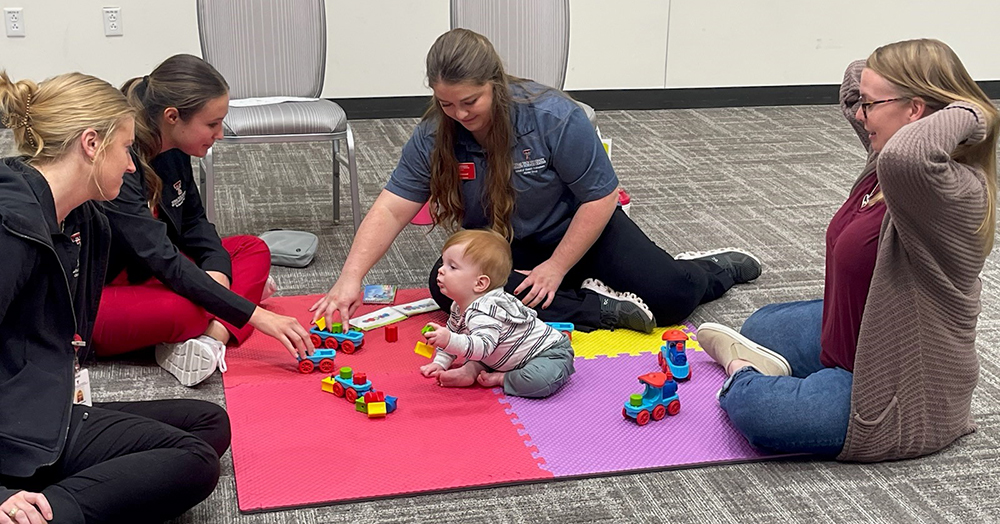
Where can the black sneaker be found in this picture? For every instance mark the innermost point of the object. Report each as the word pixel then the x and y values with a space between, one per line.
pixel 741 265
pixel 621 310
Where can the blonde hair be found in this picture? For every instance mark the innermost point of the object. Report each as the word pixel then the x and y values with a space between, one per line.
pixel 486 248
pixel 461 56
pixel 931 70
pixel 48 118
pixel 184 82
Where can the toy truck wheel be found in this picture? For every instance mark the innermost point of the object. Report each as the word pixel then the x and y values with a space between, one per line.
pixel 662 361
pixel 306 366
pixel 642 418
pixel 351 395
pixel 338 389
pixel 330 343
pixel 674 407
pixel 659 412
pixel 625 413
pixel 317 340
pixel 347 347
pixel 326 365
pixel 569 335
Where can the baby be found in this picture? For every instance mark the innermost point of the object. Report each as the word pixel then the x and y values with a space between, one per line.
pixel 502 341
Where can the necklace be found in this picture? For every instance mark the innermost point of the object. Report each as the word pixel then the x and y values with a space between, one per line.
pixel 867 198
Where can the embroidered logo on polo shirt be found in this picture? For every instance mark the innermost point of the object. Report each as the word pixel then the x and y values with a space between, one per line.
pixel 75 237
pixel 529 166
pixel 181 194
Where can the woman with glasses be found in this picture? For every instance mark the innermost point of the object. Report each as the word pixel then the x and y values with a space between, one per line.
pixel 884 365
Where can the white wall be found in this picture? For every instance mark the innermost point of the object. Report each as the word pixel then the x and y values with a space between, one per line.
pixel 377 47
pixel 716 43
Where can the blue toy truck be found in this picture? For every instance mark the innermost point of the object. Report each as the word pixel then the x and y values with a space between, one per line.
pixel 672 357
pixel 657 401
pixel 321 358
pixel 335 339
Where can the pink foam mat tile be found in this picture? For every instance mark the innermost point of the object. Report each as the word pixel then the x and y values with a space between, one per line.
pixel 295 445
pixel 581 431
pixel 261 358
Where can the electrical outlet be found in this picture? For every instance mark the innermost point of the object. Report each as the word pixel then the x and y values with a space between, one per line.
pixel 113 21
pixel 14 20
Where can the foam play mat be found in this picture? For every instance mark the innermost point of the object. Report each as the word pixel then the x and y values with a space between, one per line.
pixel 297 445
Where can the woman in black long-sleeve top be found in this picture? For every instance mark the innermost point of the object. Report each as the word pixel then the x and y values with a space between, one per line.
pixel 206 290
pixel 61 460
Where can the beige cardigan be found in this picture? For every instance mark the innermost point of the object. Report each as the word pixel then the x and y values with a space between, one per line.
pixel 916 363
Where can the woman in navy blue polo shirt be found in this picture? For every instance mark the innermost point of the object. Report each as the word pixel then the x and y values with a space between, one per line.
pixel 499 152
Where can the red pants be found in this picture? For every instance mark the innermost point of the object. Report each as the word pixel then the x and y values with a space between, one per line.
pixel 134 316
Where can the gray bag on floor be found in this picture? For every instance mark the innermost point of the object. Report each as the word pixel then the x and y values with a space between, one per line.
pixel 290 248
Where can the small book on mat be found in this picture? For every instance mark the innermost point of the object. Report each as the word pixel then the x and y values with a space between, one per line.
pixel 379 294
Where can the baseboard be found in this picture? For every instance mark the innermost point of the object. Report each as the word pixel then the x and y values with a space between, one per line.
pixel 637 99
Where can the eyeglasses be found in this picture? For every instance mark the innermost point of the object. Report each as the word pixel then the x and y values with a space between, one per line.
pixel 867 105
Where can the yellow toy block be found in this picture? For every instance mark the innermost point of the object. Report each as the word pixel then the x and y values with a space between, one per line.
pixel 424 349
pixel 321 323
pixel 376 409
pixel 328 383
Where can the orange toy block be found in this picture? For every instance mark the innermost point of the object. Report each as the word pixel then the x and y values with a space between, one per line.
pixel 424 349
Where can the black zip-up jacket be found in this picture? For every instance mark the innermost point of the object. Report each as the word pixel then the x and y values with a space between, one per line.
pixel 148 247
pixel 39 316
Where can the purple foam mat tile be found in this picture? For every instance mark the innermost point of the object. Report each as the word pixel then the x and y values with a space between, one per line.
pixel 580 430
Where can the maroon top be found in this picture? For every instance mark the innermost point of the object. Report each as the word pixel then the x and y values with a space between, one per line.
pixel 851 249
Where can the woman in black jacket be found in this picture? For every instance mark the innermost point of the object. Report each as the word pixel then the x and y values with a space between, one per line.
pixel 59 459
pixel 206 290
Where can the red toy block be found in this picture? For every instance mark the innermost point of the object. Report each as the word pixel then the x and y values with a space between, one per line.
pixel 360 378
pixel 391 333
pixel 374 396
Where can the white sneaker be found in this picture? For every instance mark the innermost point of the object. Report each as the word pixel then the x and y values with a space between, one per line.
pixel 193 360
pixel 270 287
pixel 621 310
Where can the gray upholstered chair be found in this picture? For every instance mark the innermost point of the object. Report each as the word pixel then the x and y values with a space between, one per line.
pixel 274 48
pixel 532 36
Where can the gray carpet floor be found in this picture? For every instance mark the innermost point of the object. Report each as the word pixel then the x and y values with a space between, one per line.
pixel 765 179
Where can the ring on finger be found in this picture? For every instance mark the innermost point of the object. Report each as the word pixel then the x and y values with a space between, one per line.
pixel 13 511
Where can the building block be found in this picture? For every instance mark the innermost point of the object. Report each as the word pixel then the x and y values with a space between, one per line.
pixel 360 405
pixel 425 329
pixel 376 410
pixel 328 383
pixel 321 323
pixel 391 333
pixel 390 403
pixel 424 349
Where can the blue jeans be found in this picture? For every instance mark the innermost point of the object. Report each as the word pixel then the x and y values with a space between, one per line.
pixel 807 412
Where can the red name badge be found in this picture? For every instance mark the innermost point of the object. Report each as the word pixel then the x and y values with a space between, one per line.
pixel 466 171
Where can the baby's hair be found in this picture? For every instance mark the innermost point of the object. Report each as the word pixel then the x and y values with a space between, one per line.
pixel 487 249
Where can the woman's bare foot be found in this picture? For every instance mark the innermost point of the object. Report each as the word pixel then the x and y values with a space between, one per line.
pixel 460 377
pixel 490 380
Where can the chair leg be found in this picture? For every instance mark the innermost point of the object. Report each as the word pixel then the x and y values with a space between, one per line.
pixel 352 166
pixel 336 182
pixel 207 172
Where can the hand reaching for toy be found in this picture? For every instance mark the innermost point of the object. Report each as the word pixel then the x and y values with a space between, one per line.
pixel 431 370
pixel 438 336
pixel 286 330
pixel 344 297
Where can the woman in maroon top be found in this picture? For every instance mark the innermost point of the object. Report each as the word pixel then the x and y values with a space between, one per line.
pixel 791 368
